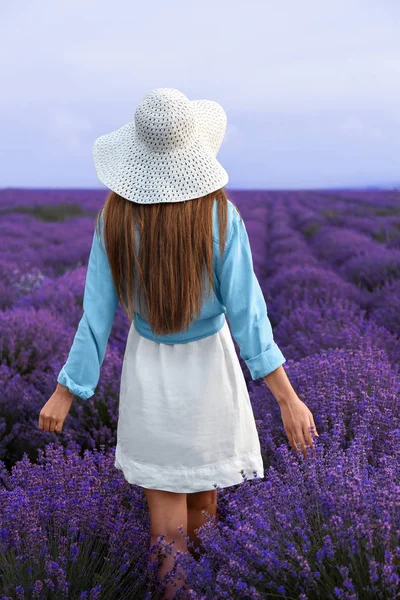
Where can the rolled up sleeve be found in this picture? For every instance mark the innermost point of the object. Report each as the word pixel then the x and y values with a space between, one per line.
pixel 81 372
pixel 245 305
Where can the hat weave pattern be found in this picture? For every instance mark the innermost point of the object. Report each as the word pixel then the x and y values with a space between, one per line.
pixel 167 153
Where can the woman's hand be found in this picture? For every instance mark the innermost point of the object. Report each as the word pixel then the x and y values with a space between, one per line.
pixel 297 421
pixel 54 412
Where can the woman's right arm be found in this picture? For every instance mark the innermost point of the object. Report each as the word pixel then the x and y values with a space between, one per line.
pixel 250 326
pixel 245 305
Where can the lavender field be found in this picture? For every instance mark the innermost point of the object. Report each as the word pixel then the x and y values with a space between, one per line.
pixel 323 528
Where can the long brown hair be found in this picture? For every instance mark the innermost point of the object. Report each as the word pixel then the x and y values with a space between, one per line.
pixel 176 245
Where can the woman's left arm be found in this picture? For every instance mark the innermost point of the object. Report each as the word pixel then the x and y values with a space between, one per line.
pixel 81 372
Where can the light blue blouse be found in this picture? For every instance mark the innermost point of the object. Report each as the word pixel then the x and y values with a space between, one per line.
pixel 238 296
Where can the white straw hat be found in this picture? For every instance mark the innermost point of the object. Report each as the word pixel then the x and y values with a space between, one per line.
pixel 167 153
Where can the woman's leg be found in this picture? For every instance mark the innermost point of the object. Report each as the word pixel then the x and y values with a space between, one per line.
pixel 196 503
pixel 168 512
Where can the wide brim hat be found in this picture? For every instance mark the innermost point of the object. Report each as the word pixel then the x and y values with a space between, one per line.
pixel 167 153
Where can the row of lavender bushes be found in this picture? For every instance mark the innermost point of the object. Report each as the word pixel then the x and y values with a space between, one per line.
pixel 326 527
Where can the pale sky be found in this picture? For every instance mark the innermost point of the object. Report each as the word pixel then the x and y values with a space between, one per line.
pixel 311 89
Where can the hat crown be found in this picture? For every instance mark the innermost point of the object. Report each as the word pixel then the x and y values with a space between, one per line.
pixel 165 120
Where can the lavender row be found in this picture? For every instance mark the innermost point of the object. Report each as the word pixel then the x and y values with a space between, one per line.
pixel 322 528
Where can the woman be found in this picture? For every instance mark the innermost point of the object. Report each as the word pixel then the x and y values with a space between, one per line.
pixel 185 422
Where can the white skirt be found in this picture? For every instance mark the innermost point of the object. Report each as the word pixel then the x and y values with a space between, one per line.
pixel 185 421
